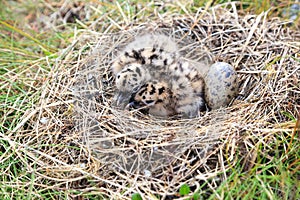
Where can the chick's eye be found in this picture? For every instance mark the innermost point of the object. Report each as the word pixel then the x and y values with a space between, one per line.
pixel 135 89
pixel 149 101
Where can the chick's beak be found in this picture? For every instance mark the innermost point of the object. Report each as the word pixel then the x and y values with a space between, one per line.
pixel 133 103
pixel 121 99
pixel 125 100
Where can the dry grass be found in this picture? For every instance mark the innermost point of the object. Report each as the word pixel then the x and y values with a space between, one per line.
pixel 74 140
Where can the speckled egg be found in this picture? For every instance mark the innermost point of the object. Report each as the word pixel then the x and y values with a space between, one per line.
pixel 220 85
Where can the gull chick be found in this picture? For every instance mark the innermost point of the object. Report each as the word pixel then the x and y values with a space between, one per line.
pixel 182 93
pixel 143 59
pixel 153 77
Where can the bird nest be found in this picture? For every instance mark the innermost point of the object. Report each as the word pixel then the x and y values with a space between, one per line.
pixel 87 144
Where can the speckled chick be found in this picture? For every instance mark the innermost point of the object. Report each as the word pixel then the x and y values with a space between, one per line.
pixel 181 93
pixel 154 50
pixel 144 59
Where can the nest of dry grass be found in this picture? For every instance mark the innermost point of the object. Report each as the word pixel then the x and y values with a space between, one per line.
pixel 85 143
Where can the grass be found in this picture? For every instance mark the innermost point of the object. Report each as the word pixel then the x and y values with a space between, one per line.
pixel 271 176
pixel 28 53
pixel 24 68
pixel 274 175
